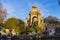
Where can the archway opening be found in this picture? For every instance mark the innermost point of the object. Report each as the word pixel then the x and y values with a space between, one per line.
pixel 35 21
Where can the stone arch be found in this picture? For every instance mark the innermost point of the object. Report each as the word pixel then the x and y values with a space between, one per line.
pixel 35 16
pixel 34 20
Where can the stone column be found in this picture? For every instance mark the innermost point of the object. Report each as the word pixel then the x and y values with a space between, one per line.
pixel 31 20
pixel 38 20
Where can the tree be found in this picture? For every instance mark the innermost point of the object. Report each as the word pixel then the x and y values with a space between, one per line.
pixel 21 24
pixel 12 23
pixel 36 28
pixel 30 29
pixel 52 22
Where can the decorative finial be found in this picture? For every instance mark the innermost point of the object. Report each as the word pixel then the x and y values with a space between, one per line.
pixel 34 6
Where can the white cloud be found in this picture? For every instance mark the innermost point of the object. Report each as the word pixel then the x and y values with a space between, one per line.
pixel 10 10
pixel 42 8
pixel 44 11
pixel 8 6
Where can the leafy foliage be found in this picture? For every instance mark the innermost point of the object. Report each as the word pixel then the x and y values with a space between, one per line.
pixel 21 24
pixel 52 22
pixel 18 25
pixel 12 23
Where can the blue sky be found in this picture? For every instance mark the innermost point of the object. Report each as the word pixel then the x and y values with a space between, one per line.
pixel 21 8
